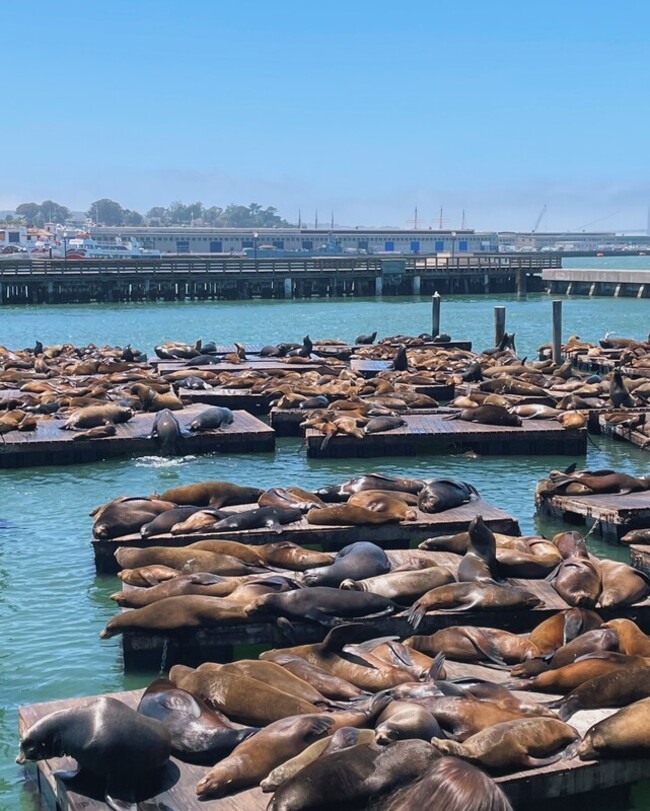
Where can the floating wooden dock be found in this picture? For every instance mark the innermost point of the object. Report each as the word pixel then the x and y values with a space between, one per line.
pixel 640 557
pixel 433 434
pixel 388 536
pixel 50 445
pixel 371 368
pixel 565 778
pixel 261 365
pixel 610 515
pixel 286 421
pixel 230 398
pixel 625 433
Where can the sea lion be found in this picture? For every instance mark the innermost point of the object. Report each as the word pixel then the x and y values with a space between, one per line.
pixel 385 502
pixel 639 536
pixel 479 564
pixel 163 522
pixel 525 743
pixel 322 604
pixel 467 643
pixel 99 432
pixel 402 587
pixel 631 638
pixel 241 697
pixel 562 627
pixel 624 733
pixel 288 555
pixel 343 738
pixel 186 560
pixel 488 415
pixel 619 393
pixel 353 775
pixel 122 516
pixel 275 675
pixel 442 494
pixel 199 521
pixel 109 740
pixel 145 576
pixel 279 497
pixel 459 542
pixel 355 561
pixel 212 418
pixel 272 517
pixel 329 685
pixel 577 580
pixel 212 494
pixel 208 585
pixel 256 757
pixel 466 596
pixel 366 339
pixel 198 733
pixel 347 514
pixel 567 678
pixel 93 416
pixel 403 720
pixel 621 584
pixel 617 689
pixel 369 481
pixel 600 639
pixel 167 431
pixel 378 425
pixel 242 551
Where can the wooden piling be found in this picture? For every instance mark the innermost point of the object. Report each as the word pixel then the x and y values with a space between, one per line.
pixel 435 314
pixel 499 324
pixel 557 331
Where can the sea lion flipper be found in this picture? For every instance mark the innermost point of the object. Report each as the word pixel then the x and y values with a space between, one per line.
pixel 322 618
pixel 343 635
pixel 118 804
pixel 448 688
pixel 436 667
pixel 539 762
pixel 570 469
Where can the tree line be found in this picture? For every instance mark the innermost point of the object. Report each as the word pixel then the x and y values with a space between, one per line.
pixel 109 212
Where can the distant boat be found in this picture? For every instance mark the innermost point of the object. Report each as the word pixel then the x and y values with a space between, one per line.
pixel 87 248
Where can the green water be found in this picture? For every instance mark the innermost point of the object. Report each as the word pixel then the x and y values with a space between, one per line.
pixel 52 606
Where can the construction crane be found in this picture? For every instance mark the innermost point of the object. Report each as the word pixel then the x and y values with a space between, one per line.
pixel 539 219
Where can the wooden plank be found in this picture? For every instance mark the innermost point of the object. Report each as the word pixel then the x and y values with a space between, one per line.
pixel 562 779
pixel 432 434
pixel 263 364
pixel 623 432
pixel 256 403
pixel 386 535
pixel 286 421
pixel 610 515
pixel 49 445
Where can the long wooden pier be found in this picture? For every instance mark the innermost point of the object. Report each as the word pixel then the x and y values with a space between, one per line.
pixel 432 433
pixel 566 778
pixel 50 445
pixel 597 282
pixel 388 536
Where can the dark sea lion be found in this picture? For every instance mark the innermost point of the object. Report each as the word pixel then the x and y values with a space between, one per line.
pixel 621 584
pixel 489 415
pixel 625 733
pixel 366 339
pixel 479 562
pixel 400 361
pixel 525 743
pixel 404 720
pixel 619 393
pixel 109 740
pixel 631 638
pixel 639 536
pixel 175 613
pixel 185 559
pixel 617 689
pixel 444 494
pixel 562 627
pixel 402 587
pixel 330 686
pixel 378 425
pixel 242 698
pixel 355 561
pixel 212 494
pixel 369 481
pixel 272 517
pixel 208 585
pixel 93 416
pixel 163 522
pixel 256 757
pixel 99 432
pixel 198 733
pixel 146 576
pixel 279 497
pixel 123 516
pixel 467 643
pixel 347 514
pixel 353 775
pixel 467 596
pixel 167 431
pixel 212 418
pixel 321 604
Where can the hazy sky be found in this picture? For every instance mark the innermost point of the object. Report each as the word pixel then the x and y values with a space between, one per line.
pixel 366 108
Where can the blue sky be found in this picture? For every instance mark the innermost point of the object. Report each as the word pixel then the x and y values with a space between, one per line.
pixel 364 108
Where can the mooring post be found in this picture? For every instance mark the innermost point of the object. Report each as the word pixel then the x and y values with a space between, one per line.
pixel 435 314
pixel 521 283
pixel 557 331
pixel 499 324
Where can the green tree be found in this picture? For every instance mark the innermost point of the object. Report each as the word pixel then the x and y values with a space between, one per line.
pixel 53 212
pixel 29 212
pixel 131 217
pixel 106 212
pixel 159 214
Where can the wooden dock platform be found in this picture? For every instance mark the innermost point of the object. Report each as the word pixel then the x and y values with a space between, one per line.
pixel 50 445
pixel 640 557
pixel 610 515
pixel 624 433
pixel 565 778
pixel 432 434
pixel 230 398
pixel 370 368
pixel 286 421
pixel 259 365
pixel 388 536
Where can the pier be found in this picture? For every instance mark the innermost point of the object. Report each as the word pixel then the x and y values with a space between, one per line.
pixel 610 515
pixel 592 282
pixel 213 277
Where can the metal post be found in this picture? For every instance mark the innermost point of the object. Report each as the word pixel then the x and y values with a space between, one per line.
pixel 435 314
pixel 557 331
pixel 499 324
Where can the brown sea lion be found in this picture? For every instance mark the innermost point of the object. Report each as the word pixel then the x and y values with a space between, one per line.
pixel 623 734
pixel 256 757
pixel 617 689
pixel 600 639
pixel 621 584
pixel 276 676
pixel 321 604
pixel 383 503
pixel 184 559
pixel 366 498
pixel 242 551
pixel 124 515
pixel 639 536
pixel 403 720
pixel 467 596
pixel 631 638
pixel 479 563
pixel 402 587
pixel 212 494
pixel 210 585
pixel 99 432
pixel 467 643
pixel 577 579
pixel 369 481
pixel 568 543
pixel 279 497
pixel 521 744
pixel 202 520
pixel 164 522
pixel 93 416
pixel 330 686
pixel 288 555
pixel 348 514
pixel 145 576
pixel 567 678
pixel 174 613
pixel 459 542
pixel 562 627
